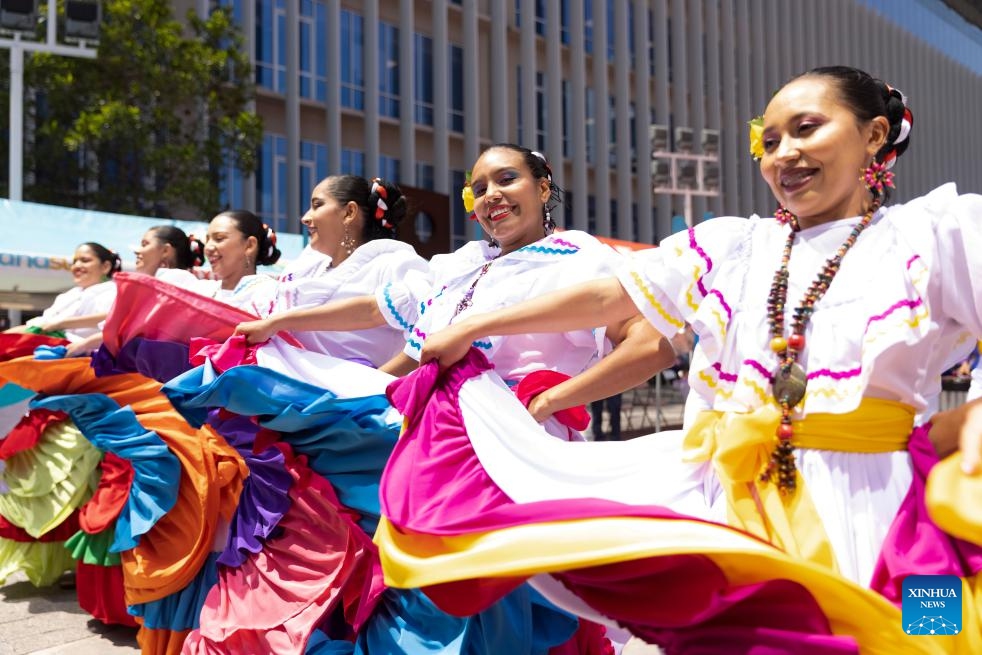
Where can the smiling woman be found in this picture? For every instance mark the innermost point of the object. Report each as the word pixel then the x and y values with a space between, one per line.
pixel 823 333
pixel 77 312
pixel 237 242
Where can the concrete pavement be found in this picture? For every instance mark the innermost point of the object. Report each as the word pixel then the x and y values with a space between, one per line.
pixel 49 621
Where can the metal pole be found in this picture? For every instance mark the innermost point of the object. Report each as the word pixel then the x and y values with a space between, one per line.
pixel 689 218
pixel 16 150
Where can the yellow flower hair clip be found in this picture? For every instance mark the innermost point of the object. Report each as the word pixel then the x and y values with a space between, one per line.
pixel 467 195
pixel 757 138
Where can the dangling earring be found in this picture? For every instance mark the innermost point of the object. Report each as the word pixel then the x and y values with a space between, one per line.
pixel 492 242
pixel 548 224
pixel 876 177
pixel 248 262
pixel 347 242
pixel 784 216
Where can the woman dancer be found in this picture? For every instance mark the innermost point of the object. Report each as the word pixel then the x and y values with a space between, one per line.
pixel 236 244
pixel 168 253
pixel 822 333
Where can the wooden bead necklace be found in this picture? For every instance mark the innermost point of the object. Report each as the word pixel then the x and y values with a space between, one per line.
pixel 790 379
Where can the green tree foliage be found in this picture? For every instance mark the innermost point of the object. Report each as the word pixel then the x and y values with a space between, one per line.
pixel 147 127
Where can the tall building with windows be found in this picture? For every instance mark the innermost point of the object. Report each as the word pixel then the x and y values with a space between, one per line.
pixel 413 91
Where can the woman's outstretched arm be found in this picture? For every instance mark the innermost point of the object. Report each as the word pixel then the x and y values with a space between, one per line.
pixel 589 305
pixel 346 315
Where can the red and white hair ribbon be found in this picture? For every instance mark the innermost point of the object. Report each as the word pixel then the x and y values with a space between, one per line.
pixel 381 207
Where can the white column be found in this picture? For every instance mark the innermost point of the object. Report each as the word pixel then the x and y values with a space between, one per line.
pixel 554 99
pixel 332 32
pixel 372 150
pixel 500 75
pixel 529 67
pixel 579 184
pixel 713 119
pixel 472 111
pixel 694 26
pixel 441 98
pixel 622 66
pixel 601 127
pixel 293 117
pixel 663 107
pixel 733 133
pixel 15 160
pixel 407 93
pixel 249 30
pixel 642 119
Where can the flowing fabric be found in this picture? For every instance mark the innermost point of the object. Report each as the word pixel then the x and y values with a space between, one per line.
pixel 175 547
pixel 345 440
pixel 467 543
pixel 271 603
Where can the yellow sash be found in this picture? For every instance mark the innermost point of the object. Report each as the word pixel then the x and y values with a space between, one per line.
pixel 740 445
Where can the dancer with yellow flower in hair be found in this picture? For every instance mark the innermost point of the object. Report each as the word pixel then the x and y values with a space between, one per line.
pixel 823 333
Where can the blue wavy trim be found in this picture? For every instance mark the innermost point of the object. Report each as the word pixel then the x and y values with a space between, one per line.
pixel 392 308
pixel 486 345
pixel 549 251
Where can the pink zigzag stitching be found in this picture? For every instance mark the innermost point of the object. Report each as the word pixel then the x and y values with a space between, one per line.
pixel 722 301
pixel 563 242
pixel 702 253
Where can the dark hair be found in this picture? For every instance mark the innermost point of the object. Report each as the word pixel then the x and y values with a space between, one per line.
pixel 868 97
pixel 540 168
pixel 380 220
pixel 189 251
pixel 105 255
pixel 250 226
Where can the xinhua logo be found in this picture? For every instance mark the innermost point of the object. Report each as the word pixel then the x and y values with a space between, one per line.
pixel 932 605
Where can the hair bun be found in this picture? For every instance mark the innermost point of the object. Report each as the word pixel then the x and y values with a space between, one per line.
pixel 388 204
pixel 197 248
pixel 901 122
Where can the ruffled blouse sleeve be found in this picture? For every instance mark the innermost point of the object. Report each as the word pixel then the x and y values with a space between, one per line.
pixel 402 287
pixel 670 283
pixel 958 268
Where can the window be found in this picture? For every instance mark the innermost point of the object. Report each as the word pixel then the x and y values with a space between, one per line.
pixel 591 214
pixel 613 218
pixel 313 169
pixel 352 61
pixel 591 126
pixel 423 78
pixel 271 179
pixel 541 110
pixel 388 70
pixel 425 176
pixel 588 26
pixel 456 88
pixel 612 127
pixel 388 168
pixel 231 192
pixel 611 30
pixel 540 16
pixel 567 119
pixel 353 162
pixel 270 35
pixel 313 50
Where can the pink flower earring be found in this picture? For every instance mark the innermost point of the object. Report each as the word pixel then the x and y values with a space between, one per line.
pixel 876 178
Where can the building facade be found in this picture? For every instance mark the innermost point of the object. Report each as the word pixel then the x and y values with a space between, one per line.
pixel 413 91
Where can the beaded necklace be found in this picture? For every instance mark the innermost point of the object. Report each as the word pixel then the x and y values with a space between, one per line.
pixel 790 379
pixel 467 300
